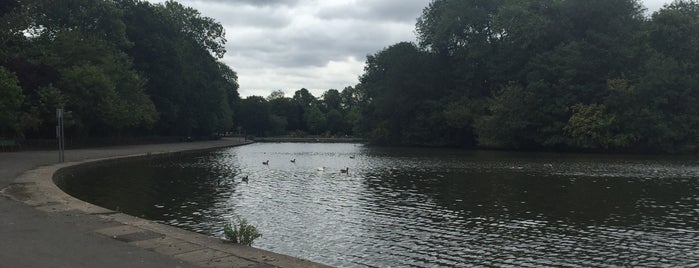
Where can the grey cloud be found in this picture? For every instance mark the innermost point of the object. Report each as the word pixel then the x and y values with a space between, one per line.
pixel 241 15
pixel 386 10
pixel 314 47
pixel 267 2
pixel 258 3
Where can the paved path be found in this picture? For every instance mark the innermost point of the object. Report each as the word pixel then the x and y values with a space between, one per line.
pixel 40 235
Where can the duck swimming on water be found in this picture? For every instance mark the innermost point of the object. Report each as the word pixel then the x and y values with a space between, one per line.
pixel 265 162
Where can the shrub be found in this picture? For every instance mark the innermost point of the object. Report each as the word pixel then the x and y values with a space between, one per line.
pixel 241 232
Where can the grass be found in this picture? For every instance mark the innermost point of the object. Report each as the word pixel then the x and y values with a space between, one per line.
pixel 241 232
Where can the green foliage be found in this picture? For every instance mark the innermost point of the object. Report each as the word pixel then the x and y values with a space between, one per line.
pixel 532 74
pixel 509 123
pixel 315 120
pixel 592 127
pixel 205 31
pixel 117 67
pixel 254 115
pixel 241 232
pixel 335 113
pixel 332 100
pixel 10 100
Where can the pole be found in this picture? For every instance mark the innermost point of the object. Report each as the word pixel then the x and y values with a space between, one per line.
pixel 63 140
pixel 59 135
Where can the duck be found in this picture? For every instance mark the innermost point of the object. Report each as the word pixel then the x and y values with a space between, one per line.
pixel 245 179
pixel 351 156
pixel 346 170
pixel 293 160
pixel 265 162
pixel 321 169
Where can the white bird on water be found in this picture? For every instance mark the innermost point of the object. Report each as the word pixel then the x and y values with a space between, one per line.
pixel 321 169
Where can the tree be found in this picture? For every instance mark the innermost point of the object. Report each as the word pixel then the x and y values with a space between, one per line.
pixel 254 116
pixel 335 123
pixel 205 31
pixel 277 94
pixel 100 87
pixel 10 100
pixel 192 91
pixel 591 126
pixel 397 81
pixel 315 120
pixel 332 100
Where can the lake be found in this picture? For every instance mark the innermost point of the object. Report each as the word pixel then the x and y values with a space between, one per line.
pixel 417 207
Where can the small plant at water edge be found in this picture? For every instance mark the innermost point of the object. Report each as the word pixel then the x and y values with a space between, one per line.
pixel 241 232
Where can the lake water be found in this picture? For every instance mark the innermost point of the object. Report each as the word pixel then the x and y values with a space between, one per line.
pixel 409 207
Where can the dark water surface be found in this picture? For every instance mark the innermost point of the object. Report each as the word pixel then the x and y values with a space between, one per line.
pixel 421 207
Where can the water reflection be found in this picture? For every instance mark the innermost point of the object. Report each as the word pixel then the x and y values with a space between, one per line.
pixel 421 207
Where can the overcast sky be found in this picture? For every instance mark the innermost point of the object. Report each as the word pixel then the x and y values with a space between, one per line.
pixel 316 44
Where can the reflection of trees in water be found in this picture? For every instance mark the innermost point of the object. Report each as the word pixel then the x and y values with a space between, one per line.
pixel 512 195
pixel 178 187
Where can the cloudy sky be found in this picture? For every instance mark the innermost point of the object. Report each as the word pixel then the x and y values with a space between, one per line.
pixel 316 44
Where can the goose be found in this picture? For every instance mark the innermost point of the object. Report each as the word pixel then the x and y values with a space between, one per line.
pixel 293 160
pixel 346 170
pixel 245 179
pixel 265 162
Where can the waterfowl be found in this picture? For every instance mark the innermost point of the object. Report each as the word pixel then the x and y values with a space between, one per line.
pixel 321 169
pixel 351 156
pixel 346 170
pixel 293 160
pixel 265 162
pixel 245 179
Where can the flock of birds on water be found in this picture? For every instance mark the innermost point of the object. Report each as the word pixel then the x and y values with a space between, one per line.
pixel 246 179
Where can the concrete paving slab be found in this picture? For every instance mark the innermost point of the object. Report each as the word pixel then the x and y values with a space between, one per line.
pixel 229 262
pixel 55 208
pixel 201 257
pixel 119 230
pixel 155 242
pixel 178 248
pixel 140 236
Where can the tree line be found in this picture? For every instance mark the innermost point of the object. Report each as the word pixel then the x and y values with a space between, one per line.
pixel 123 67
pixel 596 75
pixel 335 113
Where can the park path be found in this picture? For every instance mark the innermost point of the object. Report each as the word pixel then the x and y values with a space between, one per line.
pixel 54 234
